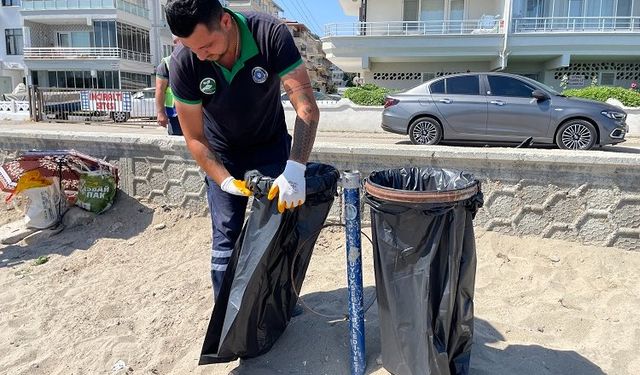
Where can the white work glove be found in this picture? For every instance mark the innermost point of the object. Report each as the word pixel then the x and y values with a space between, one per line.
pixel 235 187
pixel 291 185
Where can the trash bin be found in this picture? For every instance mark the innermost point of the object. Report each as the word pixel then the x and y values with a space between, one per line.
pixel 268 262
pixel 425 262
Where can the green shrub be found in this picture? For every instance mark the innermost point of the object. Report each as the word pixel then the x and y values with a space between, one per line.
pixel 628 97
pixel 367 94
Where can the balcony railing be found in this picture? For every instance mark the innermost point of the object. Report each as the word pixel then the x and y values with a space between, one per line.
pixel 576 24
pixel 83 53
pixel 85 4
pixel 395 28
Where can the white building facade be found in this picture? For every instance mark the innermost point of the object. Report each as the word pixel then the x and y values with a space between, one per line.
pixel 263 6
pixel 87 43
pixel 401 43
pixel 11 48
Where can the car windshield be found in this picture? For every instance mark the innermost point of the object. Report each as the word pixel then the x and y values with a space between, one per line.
pixel 550 89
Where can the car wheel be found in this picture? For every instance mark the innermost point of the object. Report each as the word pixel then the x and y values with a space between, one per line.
pixel 576 135
pixel 425 131
pixel 120 116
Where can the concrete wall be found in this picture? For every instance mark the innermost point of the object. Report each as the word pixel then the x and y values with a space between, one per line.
pixel 342 116
pixel 588 197
pixel 383 11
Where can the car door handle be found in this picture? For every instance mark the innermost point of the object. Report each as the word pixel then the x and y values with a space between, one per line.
pixel 498 102
pixel 445 101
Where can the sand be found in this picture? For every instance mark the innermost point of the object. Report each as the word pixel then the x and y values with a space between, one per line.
pixel 130 294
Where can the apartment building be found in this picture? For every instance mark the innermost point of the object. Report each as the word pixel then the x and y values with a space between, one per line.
pixel 310 46
pixel 264 6
pixel 84 43
pixel 400 43
pixel 11 48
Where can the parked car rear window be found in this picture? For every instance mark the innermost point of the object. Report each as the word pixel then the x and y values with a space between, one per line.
pixel 507 86
pixel 465 85
pixel 437 87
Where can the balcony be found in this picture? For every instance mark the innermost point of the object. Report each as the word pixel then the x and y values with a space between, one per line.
pixel 406 28
pixel 576 24
pixel 125 6
pixel 359 46
pixel 84 53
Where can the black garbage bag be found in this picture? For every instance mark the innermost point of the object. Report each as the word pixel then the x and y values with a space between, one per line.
pixel 424 261
pixel 257 297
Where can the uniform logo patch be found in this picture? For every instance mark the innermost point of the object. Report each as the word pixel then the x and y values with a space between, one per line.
pixel 259 75
pixel 208 86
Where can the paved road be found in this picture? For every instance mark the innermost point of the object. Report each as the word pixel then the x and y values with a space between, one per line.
pixel 632 145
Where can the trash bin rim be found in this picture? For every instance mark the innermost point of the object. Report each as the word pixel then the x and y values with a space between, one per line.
pixel 407 196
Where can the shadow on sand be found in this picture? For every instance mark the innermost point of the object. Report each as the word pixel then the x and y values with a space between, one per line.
pixel 312 345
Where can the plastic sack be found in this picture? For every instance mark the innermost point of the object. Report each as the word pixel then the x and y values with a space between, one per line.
pixel 44 205
pixel 257 296
pixel 425 263
pixel 96 191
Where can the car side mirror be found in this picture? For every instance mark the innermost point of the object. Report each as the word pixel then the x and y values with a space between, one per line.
pixel 540 95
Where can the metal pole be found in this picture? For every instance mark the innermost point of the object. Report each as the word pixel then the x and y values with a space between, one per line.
pixel 351 193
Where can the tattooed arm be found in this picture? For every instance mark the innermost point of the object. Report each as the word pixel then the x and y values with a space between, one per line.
pixel 298 87
pixel 192 125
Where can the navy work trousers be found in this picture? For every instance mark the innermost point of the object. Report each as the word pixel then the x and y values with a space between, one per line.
pixel 227 216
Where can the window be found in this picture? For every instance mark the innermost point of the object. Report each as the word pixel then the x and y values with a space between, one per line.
pixel 465 85
pixel 437 87
pixel 75 39
pixel 507 86
pixel 105 33
pixel 607 79
pixel 10 3
pixel 167 49
pixel 134 42
pixel 135 81
pixel 13 40
pixel 83 79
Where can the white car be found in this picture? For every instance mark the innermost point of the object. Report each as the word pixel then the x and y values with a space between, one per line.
pixel 143 105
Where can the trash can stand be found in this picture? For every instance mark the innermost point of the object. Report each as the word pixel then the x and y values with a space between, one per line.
pixel 424 261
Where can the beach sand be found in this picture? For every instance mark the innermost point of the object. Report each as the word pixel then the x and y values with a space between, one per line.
pixel 133 288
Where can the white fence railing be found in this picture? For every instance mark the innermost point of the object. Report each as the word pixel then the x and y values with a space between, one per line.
pixel 126 6
pixel 485 25
pixel 576 24
pixel 14 106
pixel 49 53
pixel 81 53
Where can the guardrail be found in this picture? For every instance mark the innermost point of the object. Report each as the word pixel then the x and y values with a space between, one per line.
pixel 486 25
pixel 82 53
pixel 576 24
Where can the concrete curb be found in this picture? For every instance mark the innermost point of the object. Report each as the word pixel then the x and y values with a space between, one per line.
pixel 589 197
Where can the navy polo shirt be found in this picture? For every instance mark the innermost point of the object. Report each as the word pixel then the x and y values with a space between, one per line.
pixel 243 116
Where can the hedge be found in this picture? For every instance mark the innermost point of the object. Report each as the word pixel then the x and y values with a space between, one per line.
pixel 368 94
pixel 628 97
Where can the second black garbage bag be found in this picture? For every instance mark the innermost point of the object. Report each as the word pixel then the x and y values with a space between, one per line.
pixel 425 263
pixel 257 296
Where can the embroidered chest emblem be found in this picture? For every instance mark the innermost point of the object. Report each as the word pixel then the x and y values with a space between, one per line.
pixel 259 75
pixel 208 86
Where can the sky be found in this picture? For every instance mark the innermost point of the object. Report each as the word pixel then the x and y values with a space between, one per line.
pixel 314 13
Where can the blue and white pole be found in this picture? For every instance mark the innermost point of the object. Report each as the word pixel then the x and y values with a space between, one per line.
pixel 351 194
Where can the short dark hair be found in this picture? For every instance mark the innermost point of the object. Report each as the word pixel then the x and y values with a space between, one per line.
pixel 184 15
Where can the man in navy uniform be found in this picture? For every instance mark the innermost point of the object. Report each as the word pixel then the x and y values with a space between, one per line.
pixel 226 80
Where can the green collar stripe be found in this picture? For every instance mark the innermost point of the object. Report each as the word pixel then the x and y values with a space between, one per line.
pixel 187 101
pixel 289 69
pixel 248 47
